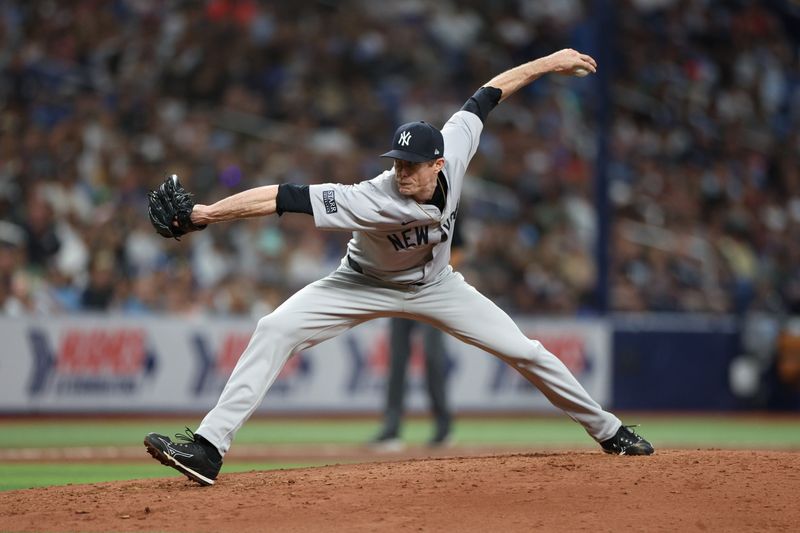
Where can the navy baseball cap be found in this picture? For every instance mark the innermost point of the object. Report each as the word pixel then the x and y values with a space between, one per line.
pixel 417 142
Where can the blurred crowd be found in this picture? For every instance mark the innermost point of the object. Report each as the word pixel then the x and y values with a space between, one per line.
pixel 706 158
pixel 100 99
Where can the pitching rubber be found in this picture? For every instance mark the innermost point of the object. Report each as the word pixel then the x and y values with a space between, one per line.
pixel 167 460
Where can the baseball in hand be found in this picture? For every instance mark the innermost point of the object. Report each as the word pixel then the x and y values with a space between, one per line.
pixel 580 72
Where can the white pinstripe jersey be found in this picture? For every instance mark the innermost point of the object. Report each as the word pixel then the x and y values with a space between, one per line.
pixel 395 238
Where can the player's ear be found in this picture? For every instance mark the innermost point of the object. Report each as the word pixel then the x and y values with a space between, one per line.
pixel 438 164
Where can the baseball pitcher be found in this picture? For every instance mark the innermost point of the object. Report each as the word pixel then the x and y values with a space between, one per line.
pixel 397 264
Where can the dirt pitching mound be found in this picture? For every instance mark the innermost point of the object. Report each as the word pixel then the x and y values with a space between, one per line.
pixel 674 490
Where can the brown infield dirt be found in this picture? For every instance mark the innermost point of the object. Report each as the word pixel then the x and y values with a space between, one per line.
pixel 673 490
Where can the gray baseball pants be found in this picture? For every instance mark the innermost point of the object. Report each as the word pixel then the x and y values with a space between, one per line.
pixel 345 299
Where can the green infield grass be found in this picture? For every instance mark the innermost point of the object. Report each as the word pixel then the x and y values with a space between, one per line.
pixel 535 433
pixel 30 475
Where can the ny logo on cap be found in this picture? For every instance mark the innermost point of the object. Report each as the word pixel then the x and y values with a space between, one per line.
pixel 405 138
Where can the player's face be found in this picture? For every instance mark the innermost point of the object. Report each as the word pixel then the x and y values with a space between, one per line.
pixel 414 179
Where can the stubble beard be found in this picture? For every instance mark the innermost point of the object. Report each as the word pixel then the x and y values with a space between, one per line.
pixel 425 191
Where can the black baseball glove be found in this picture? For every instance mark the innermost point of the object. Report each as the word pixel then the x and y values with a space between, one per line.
pixel 170 209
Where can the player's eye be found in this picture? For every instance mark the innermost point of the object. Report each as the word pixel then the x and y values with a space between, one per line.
pixel 405 165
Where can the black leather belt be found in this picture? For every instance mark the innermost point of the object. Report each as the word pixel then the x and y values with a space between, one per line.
pixel 354 265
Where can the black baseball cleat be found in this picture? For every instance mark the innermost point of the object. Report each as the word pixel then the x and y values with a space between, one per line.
pixel 441 439
pixel 196 458
pixel 627 442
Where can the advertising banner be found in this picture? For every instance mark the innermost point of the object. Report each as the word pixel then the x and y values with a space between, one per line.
pixel 99 364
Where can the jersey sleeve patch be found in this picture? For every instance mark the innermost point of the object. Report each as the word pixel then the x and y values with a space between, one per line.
pixel 329 200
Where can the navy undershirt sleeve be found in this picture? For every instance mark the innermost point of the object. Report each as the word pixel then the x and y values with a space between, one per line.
pixel 484 100
pixel 293 199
